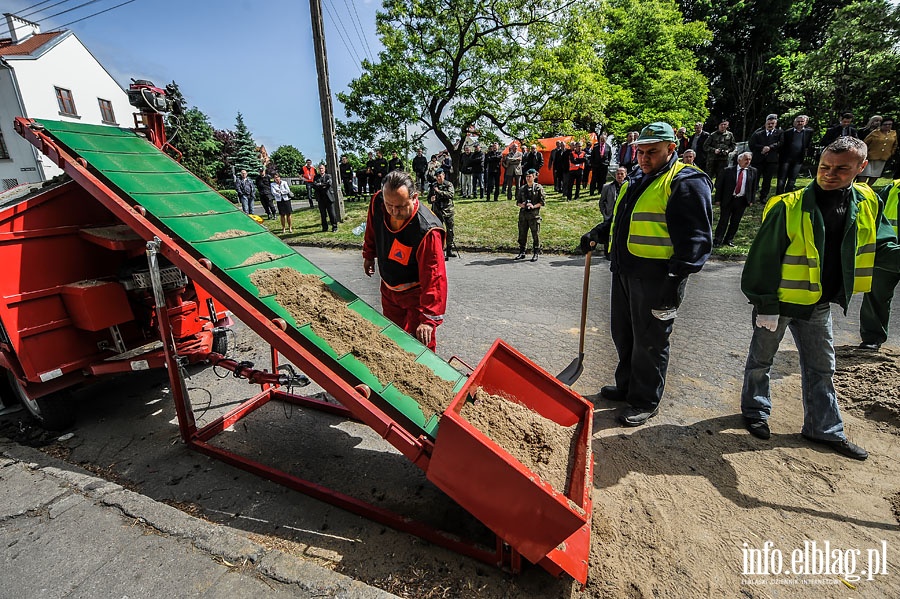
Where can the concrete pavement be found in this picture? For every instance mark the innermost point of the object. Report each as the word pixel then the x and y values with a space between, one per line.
pixel 66 533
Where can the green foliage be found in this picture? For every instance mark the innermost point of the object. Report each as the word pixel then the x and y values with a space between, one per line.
pixel 446 65
pixel 224 164
pixel 230 195
pixel 857 68
pixel 246 152
pixel 752 42
pixel 193 135
pixel 650 59
pixel 288 161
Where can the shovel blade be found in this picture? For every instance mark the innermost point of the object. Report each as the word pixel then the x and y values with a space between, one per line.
pixel 571 373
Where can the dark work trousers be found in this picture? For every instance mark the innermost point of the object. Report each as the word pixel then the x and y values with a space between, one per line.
pixel 310 194
pixel 573 179
pixel 326 208
pixel 730 214
pixel 766 171
pixel 641 340
pixel 559 180
pixel 348 187
pixel 787 175
pixel 598 179
pixel 715 165
pixel 268 204
pixel 875 312
pixel 530 221
pixel 477 184
pixel 491 185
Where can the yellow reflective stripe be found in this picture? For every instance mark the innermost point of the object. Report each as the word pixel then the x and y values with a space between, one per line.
pixel 649 240
pixel 804 285
pixel 648 217
pixel 810 262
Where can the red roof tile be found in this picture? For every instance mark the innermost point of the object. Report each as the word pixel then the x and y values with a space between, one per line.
pixel 28 46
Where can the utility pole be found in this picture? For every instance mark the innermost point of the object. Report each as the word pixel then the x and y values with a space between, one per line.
pixel 331 157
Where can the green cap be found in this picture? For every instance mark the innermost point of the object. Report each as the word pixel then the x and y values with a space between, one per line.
pixel 656 132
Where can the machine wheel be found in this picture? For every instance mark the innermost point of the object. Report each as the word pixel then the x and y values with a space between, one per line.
pixel 53 412
pixel 220 341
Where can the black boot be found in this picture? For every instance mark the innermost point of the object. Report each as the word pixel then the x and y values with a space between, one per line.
pixel 521 255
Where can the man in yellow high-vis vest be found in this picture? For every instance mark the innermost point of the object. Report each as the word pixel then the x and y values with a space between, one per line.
pixel 660 232
pixel 875 312
pixel 816 246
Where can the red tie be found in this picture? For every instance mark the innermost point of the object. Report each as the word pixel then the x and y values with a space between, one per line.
pixel 740 181
pixel 602 149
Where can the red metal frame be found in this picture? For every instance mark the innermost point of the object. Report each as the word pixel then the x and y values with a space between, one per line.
pixel 354 402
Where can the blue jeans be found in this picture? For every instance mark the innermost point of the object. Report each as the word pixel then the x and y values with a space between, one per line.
pixel 247 204
pixel 815 345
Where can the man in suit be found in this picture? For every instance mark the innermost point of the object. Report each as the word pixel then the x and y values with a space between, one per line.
pixel 765 143
pixel 735 190
pixel 696 142
pixel 600 157
pixel 795 147
pixel 843 129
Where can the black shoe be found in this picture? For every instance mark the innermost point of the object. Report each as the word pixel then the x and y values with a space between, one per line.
pixel 334 229
pixel 521 256
pixel 612 393
pixel 716 243
pixel 324 229
pixel 842 446
pixel 534 257
pixel 758 427
pixel 449 255
pixel 637 416
pixel 867 346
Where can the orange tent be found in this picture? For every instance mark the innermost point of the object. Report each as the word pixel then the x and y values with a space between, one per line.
pixel 545 146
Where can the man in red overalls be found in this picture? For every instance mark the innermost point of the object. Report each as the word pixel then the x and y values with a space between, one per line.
pixel 407 240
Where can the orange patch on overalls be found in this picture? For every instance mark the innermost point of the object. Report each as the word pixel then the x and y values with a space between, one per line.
pixel 400 253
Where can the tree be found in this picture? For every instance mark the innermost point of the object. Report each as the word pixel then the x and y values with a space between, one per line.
pixel 857 68
pixel 224 165
pixel 448 65
pixel 288 161
pixel 648 50
pixel 191 132
pixel 752 41
pixel 246 152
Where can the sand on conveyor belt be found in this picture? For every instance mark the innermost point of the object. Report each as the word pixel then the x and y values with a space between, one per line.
pixel 309 300
pixel 229 234
pixel 543 446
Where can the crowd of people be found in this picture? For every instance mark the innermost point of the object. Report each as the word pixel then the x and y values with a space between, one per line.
pixel 816 246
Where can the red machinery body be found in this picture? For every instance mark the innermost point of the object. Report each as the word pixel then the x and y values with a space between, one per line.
pixel 73 296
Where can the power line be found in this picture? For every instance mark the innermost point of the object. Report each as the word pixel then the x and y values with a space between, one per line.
pixel 347 45
pixel 94 15
pixel 357 24
pixel 67 10
pixel 33 6
pixel 45 8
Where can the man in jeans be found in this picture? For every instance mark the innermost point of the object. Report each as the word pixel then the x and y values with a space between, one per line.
pixel 245 190
pixel 816 246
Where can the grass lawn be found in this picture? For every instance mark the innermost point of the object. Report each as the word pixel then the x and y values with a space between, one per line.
pixel 493 226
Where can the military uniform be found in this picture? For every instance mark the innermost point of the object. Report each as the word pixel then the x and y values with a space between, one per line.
pixel 718 146
pixel 441 201
pixel 530 218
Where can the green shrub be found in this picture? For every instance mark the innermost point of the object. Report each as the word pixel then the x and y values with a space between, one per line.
pixel 230 195
pixel 299 191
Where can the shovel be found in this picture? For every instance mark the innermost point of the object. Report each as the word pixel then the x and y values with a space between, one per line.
pixel 574 370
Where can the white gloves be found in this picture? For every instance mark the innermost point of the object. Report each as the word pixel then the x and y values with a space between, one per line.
pixel 767 321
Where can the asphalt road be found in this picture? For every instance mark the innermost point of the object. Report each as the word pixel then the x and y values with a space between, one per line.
pixel 127 431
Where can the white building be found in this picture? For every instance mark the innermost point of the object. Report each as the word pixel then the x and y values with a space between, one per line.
pixel 51 76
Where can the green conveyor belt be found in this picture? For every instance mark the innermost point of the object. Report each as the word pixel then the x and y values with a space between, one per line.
pixel 193 213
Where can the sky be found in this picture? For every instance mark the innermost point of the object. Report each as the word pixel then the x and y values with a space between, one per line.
pixel 227 56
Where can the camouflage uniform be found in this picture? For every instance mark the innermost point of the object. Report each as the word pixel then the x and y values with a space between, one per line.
pixel 716 162
pixel 441 201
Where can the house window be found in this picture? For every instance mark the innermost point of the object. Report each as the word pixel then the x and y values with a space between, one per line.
pixel 66 102
pixel 4 153
pixel 106 111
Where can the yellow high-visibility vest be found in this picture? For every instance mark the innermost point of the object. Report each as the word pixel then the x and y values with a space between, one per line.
pixel 648 232
pixel 801 274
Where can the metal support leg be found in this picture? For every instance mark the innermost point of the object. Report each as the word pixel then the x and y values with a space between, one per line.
pixel 186 423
